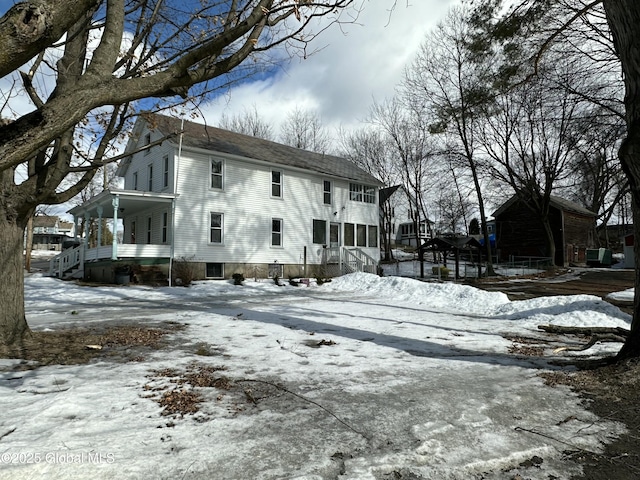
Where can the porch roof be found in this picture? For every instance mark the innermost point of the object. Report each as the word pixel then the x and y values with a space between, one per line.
pixel 129 202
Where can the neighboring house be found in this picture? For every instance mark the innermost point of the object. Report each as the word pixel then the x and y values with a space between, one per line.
pixel 399 217
pixel 230 203
pixel 519 234
pixel 50 233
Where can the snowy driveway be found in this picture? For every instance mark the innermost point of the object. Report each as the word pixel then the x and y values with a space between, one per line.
pixel 363 378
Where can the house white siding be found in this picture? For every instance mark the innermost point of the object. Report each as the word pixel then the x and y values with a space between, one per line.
pixel 248 207
pixel 228 202
pixel 138 170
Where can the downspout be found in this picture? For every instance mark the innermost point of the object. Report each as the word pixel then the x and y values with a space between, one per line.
pixel 176 166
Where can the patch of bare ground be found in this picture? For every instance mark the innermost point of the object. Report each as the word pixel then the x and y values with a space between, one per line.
pixel 611 391
pixel 80 345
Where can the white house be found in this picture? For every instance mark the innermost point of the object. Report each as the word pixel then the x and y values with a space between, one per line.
pixel 230 203
pixel 400 215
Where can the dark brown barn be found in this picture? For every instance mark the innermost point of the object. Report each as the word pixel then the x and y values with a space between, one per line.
pixel 520 234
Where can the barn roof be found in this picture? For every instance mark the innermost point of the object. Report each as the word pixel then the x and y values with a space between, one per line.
pixel 556 202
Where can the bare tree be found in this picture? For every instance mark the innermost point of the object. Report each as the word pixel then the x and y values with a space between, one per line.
pixel 415 153
pixel 623 19
pixel 447 78
pixel 248 122
pixel 304 129
pixel 96 59
pixel 371 150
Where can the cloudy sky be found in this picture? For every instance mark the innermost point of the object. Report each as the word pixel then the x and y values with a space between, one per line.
pixel 356 64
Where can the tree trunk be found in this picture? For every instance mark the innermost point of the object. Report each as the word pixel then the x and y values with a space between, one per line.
pixel 13 324
pixel 551 243
pixel 623 17
pixel 28 247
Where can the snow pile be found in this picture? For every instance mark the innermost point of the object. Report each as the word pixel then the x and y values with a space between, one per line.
pixel 569 310
pixel 447 296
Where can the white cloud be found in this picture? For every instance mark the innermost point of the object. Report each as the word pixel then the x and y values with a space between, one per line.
pixel 358 63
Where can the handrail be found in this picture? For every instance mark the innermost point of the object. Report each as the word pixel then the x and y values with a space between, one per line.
pixel 65 261
pixel 356 260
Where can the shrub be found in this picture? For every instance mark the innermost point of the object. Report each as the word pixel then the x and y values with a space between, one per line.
pixel 184 270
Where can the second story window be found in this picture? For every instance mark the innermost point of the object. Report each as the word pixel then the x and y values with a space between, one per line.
pixel 362 193
pixel 165 171
pixel 276 183
pixel 216 173
pixel 147 141
pixel 134 182
pixel 327 192
pixel 150 178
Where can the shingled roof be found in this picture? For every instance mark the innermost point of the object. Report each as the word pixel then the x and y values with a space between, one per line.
pixel 214 139
pixel 557 202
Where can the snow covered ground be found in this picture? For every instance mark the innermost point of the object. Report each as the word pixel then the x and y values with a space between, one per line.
pixel 361 378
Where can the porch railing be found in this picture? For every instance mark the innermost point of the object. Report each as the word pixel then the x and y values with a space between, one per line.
pixel 356 260
pixel 66 261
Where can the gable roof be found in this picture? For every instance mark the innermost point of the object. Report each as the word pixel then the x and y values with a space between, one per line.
pixel 45 221
pixel 557 202
pixel 197 135
pixel 385 193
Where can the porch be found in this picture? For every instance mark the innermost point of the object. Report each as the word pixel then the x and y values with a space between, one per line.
pixel 112 205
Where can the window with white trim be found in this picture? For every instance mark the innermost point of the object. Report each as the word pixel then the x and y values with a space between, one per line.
pixel 165 171
pixel 147 141
pixel 215 227
pixel 320 232
pixel 362 193
pixel 135 181
pixel 361 235
pixel 149 230
pixel 150 177
pixel 276 183
pixel 165 226
pixel 326 192
pixel 276 232
pixel 217 167
pixel 349 235
pixel 373 236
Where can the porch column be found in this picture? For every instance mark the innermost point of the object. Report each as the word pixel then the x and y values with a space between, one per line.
pixel 100 210
pixel 86 229
pixel 114 244
pixel 76 227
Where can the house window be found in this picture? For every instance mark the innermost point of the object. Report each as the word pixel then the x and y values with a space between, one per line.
pixel 362 193
pixel 135 180
pixel 150 178
pixel 373 236
pixel 165 171
pixel 326 192
pixel 215 270
pixel 361 235
pixel 149 231
pixel 320 232
pixel 215 235
pixel 165 226
pixel 216 173
pixel 349 234
pixel 276 184
pixel 147 141
pixel 276 232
